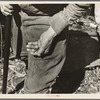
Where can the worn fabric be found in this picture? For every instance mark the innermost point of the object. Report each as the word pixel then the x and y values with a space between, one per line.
pixel 43 70
pixel 97 13
pixel 33 21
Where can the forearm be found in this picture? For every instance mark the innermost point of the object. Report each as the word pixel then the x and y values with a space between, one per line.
pixel 71 12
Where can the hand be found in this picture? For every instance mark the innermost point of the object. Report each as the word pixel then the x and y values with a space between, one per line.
pixel 32 47
pixel 43 45
pixel 6 9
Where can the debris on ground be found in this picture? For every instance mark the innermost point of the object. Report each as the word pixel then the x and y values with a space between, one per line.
pixel 16 74
pixel 91 82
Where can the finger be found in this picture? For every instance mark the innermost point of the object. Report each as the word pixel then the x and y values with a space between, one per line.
pixel 33 43
pixel 32 47
pixel 9 6
pixel 6 11
pixel 28 50
pixel 31 50
pixel 35 54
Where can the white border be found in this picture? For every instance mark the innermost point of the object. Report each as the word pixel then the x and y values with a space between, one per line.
pixel 48 96
pixel 46 2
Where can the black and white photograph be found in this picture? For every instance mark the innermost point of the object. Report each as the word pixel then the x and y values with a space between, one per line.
pixel 50 48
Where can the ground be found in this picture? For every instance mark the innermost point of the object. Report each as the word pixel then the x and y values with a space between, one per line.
pixel 16 75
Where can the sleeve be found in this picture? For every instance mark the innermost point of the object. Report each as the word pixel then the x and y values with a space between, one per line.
pixel 97 13
pixel 71 12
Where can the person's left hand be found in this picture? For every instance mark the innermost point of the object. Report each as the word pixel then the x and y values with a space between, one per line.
pixel 6 9
pixel 42 46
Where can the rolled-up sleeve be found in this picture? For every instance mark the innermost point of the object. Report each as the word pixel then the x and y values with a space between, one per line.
pixel 71 12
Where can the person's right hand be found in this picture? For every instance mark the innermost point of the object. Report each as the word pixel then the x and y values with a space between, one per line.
pixel 43 45
pixel 6 9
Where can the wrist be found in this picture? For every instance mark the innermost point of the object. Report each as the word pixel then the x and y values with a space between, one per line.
pixel 51 31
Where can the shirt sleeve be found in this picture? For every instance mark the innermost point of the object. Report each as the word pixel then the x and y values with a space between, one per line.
pixel 71 12
pixel 97 13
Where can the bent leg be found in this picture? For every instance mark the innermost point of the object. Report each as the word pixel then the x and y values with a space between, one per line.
pixel 42 71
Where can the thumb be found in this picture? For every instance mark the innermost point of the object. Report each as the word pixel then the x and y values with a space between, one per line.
pixel 40 52
pixel 41 49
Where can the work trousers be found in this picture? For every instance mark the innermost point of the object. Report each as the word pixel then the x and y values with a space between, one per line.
pixel 42 71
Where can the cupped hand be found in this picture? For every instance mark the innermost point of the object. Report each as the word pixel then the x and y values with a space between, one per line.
pixel 6 9
pixel 42 46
